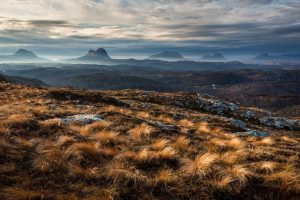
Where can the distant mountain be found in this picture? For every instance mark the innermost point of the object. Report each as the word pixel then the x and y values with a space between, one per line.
pixel 167 55
pixel 214 57
pixel 93 56
pixel 22 56
pixel 279 58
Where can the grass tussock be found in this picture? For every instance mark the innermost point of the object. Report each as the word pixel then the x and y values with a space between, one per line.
pixel 140 131
pixel 200 166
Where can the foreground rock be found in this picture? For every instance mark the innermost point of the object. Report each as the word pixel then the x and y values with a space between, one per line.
pixel 82 119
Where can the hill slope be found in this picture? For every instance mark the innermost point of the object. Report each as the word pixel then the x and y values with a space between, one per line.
pixel 131 144
pixel 23 56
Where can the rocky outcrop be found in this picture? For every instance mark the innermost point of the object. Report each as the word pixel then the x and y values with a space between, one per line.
pixel 280 123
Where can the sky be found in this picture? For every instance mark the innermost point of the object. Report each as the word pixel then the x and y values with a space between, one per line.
pixel 62 28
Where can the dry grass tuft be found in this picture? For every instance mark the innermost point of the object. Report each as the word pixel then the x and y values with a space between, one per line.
pixel 287 139
pixel 82 148
pixel 203 127
pixel 200 166
pixel 235 176
pixel 233 157
pixel 97 126
pixel 140 131
pixel 267 166
pixel 159 144
pixel 64 139
pixel 182 143
pixel 106 137
pixel 185 123
pixel 165 119
pixel 142 114
pixel 266 141
pixel 165 176
pixel 287 179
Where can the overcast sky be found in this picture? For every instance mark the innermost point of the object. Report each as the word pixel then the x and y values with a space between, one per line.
pixel 70 27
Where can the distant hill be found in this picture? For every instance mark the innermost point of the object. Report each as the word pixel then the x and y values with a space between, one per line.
pixel 214 57
pixel 279 58
pixel 167 55
pixel 22 80
pixel 22 56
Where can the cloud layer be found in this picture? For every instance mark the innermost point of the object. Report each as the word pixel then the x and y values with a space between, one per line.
pixel 222 24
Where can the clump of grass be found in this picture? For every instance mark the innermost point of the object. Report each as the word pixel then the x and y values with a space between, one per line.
pixel 200 166
pixel 233 157
pixel 203 127
pixel 235 143
pixel 165 176
pixel 106 137
pixel 140 131
pixel 119 172
pixel 50 123
pixel 287 179
pixel 287 139
pixel 49 158
pixel 182 143
pixel 165 119
pixel 185 123
pixel 235 176
pixel 266 141
pixel 82 148
pixel 159 144
pixel 267 166
pixel 143 115
pixel 97 126
pixel 65 139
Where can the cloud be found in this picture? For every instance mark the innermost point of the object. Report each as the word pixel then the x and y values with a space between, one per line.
pixel 218 23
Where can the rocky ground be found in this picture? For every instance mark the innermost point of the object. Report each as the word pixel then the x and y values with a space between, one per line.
pixel 62 143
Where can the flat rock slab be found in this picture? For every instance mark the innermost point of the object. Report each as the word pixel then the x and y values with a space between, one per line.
pixel 83 119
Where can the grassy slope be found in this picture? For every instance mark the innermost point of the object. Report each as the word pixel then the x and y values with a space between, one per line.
pixel 130 155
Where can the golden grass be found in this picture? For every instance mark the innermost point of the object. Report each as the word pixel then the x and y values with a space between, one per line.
pixel 85 148
pixel 185 123
pixel 266 141
pixel 142 114
pixel 165 119
pixel 106 137
pixel 160 144
pixel 233 176
pixel 182 143
pixel 200 166
pixel 286 179
pixel 203 127
pixel 165 176
pixel 140 131
pixel 127 158
pixel 288 139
